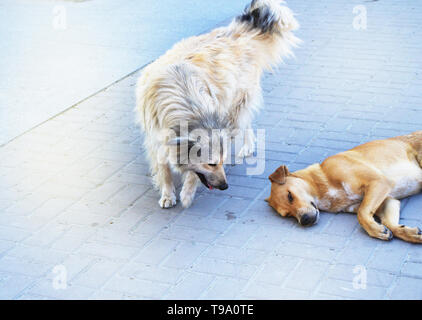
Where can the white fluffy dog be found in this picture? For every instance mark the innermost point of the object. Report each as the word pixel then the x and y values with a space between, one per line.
pixel 209 82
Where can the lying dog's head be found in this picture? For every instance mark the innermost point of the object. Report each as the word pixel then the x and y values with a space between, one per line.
pixel 290 196
pixel 203 154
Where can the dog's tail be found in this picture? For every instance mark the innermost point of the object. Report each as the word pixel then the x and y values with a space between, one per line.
pixel 271 23
pixel 268 17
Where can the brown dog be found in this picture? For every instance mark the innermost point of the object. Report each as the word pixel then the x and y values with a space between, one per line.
pixel 366 180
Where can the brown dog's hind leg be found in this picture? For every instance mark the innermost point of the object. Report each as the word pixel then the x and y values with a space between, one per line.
pixel 389 214
pixel 375 194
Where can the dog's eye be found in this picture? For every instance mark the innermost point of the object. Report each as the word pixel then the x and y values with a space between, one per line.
pixel 212 164
pixel 290 197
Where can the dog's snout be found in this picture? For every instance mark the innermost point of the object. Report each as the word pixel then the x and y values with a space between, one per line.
pixel 223 186
pixel 306 219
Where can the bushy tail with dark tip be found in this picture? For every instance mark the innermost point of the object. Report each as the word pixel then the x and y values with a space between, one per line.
pixel 268 17
pixel 266 25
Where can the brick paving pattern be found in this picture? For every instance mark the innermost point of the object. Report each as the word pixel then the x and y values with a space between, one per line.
pixel 76 192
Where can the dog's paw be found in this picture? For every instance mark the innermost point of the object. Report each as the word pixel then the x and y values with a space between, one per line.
pixel 409 234
pixel 186 197
pixel 167 201
pixel 381 232
pixel 387 234
pixel 246 150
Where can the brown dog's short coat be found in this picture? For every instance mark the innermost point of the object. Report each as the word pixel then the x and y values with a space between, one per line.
pixel 367 180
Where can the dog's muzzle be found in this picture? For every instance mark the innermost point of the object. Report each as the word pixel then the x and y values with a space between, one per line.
pixel 204 181
pixel 308 219
pixel 223 186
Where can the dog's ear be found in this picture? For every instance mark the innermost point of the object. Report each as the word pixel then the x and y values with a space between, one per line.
pixel 279 176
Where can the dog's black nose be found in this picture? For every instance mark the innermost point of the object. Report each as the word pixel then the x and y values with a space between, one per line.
pixel 223 186
pixel 306 219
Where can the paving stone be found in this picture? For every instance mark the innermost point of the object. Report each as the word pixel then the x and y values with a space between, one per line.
pixel 412 269
pixel 71 292
pixel 260 291
pixel 142 288
pixel 151 272
pixel 183 256
pixel 12 285
pixel 372 277
pixel 224 288
pixel 276 269
pixel 191 287
pixel 388 259
pixel 346 289
pixel 307 275
pixel 108 250
pixel 407 288
pixel 157 250
pixel 306 251
pixel 96 275
pixel 224 268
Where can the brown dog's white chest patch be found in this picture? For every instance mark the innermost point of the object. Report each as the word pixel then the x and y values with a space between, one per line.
pixel 339 200
pixel 350 195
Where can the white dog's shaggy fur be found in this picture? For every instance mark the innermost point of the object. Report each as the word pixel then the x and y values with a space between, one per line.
pixel 211 81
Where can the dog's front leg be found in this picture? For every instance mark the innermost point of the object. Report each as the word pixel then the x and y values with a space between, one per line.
pixel 164 180
pixel 245 131
pixel 190 184
pixel 244 127
pixel 375 194
pixel 248 147
pixel 389 214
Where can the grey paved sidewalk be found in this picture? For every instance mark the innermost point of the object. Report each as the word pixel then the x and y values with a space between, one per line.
pixel 76 197
pixel 53 54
